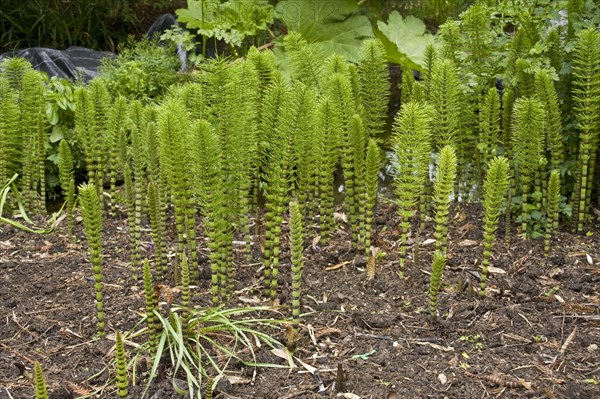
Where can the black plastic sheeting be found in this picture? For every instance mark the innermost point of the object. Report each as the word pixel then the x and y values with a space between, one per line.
pixel 79 63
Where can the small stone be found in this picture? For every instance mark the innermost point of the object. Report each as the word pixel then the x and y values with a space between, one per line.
pixel 592 348
pixel 442 378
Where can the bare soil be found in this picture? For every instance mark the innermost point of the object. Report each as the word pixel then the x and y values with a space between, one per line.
pixel 535 335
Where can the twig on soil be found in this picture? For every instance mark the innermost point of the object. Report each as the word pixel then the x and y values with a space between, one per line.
pixel 568 341
pixel 17 353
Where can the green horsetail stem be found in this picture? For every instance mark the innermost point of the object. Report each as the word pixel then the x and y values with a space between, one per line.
pixel 67 181
pixel 134 244
pixel 552 209
pixel 435 280
pixel 121 366
pixel 41 392
pixel 374 83
pixel 411 139
pixel 445 175
pixel 151 321
pixel 156 200
pixel 185 293
pixel 117 119
pixel 495 189
pixel 354 156
pixel 370 189
pixel 91 209
pixel 586 100
pixel 296 250
pixel 527 144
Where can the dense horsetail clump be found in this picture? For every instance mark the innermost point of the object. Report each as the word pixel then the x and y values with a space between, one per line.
pixel 586 101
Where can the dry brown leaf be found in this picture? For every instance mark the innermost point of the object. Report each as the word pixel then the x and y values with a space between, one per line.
pixel 468 243
pixel 339 265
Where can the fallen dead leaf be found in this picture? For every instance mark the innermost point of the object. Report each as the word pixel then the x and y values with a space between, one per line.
pixel 233 380
pixel 468 243
pixel 428 242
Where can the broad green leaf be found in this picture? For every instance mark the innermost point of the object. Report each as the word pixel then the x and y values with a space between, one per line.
pixel 407 37
pixel 305 16
pixel 329 24
pixel 200 14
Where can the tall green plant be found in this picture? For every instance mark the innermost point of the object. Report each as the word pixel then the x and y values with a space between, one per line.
pixel 210 191
pixel 527 142
pixel 435 281
pixel 445 176
pixel 91 209
pixel 552 209
pixel 372 162
pixel 546 92
pixel 67 181
pixel 412 146
pixel 495 189
pixel 117 119
pixel 297 251
pixel 10 149
pixel 586 100
pixel 173 122
pixel 121 366
pixel 374 85
pixel 445 99
pixel 489 128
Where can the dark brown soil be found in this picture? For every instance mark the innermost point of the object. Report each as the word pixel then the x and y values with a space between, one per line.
pixel 535 335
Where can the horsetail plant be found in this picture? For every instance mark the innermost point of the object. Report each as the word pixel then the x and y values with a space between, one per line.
pixel 151 322
pixel 156 201
pixel 121 366
pixel 412 146
pixel 552 209
pixel 41 392
pixel 435 280
pixel 67 181
pixel 445 98
pixel 296 250
pixel 546 92
pixel 91 209
pixel 586 101
pixel 527 142
pixel 185 294
pixel 489 127
pixel 370 189
pixel 445 176
pixel 134 243
pixel 495 189
pixel 116 122
pixel 374 85
pixel 353 167
pixel 173 120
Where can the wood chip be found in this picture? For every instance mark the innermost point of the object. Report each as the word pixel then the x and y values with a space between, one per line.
pixel 468 243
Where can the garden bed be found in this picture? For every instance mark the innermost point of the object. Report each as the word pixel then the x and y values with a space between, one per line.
pixel 535 334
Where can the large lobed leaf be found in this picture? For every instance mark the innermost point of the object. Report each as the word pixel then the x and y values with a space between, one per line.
pixel 406 39
pixel 332 25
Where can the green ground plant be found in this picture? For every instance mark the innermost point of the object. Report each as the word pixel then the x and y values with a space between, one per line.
pixel 552 209
pixel 495 189
pixel 445 176
pixel 372 163
pixel 528 138
pixel 41 392
pixel 586 101
pixel 121 366
pixel 91 209
pixel 67 182
pixel 297 251
pixel 412 146
pixel 435 281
